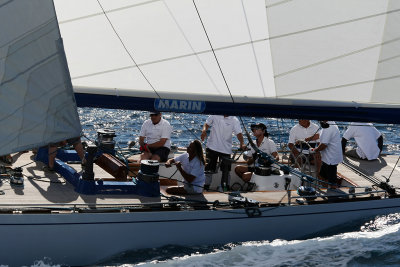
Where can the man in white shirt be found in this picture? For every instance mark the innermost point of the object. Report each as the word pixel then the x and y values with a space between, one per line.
pixel 331 151
pixel 157 133
pixel 301 137
pixel 369 141
pixel 264 144
pixel 219 145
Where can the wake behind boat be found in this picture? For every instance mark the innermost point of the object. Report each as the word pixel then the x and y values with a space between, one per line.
pixel 230 57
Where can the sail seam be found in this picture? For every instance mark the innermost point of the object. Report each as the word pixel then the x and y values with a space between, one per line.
pixel 333 24
pixel 28 32
pixel 27 44
pixel 38 97
pixel 126 50
pixel 212 49
pixel 191 47
pixel 372 95
pixel 6 3
pixel 277 4
pixel 167 59
pixel 388 59
pixel 108 11
pixel 336 58
pixel 28 69
pixel 253 49
pixel 341 86
pixel 7 141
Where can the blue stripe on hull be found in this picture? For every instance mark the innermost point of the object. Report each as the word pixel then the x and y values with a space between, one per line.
pixel 381 115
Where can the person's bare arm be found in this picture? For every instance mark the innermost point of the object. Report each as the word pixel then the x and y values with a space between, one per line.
pixel 141 141
pixel 241 140
pixel 312 138
pixel 188 177
pixel 275 155
pixel 320 148
pixel 294 150
pixel 204 131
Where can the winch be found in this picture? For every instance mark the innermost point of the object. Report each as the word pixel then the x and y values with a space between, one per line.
pixel 105 140
pixel 308 192
pixel 263 171
pixel 263 167
pixel 149 171
pixel 17 178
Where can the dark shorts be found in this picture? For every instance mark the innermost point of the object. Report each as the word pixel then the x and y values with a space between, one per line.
pixel 329 172
pixel 71 141
pixel 162 152
pixel 352 153
pixel 250 169
pixel 212 158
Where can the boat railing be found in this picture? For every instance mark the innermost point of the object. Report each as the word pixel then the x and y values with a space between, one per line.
pixel 335 194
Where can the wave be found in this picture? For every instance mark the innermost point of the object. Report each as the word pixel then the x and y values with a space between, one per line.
pixel 376 244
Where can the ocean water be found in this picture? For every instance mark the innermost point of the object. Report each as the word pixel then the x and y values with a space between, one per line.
pixel 376 243
pixel 187 127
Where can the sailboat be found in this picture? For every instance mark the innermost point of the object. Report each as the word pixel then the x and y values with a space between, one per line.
pixel 293 59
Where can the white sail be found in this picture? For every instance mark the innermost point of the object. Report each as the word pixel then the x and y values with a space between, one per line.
pixel 168 43
pixel 303 53
pixel 37 105
pixel 343 50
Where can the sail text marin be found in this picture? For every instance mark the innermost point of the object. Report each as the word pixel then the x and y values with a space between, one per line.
pixel 179 105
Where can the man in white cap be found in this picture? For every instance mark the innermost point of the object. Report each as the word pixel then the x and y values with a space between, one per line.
pixel 157 132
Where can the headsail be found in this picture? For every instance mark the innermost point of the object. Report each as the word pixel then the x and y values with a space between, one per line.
pixel 315 59
pixel 36 98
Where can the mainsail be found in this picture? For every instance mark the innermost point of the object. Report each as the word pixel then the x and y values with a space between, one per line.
pixel 285 58
pixel 37 104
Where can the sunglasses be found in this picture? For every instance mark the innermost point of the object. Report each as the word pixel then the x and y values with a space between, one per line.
pixel 256 128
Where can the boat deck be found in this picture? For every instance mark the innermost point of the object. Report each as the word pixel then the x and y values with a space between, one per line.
pixel 48 189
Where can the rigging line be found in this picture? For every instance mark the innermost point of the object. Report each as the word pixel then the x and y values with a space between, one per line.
pixel 126 49
pixel 394 167
pixel 212 49
pixel 340 86
pixel 108 11
pixel 365 125
pixel 187 128
pixel 44 179
pixel 191 47
pixel 253 49
pixel 279 133
pixel 373 179
pixel 334 24
pixel 168 59
pixel 34 161
pixel 337 57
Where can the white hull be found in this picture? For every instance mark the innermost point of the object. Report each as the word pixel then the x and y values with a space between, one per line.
pixel 82 239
